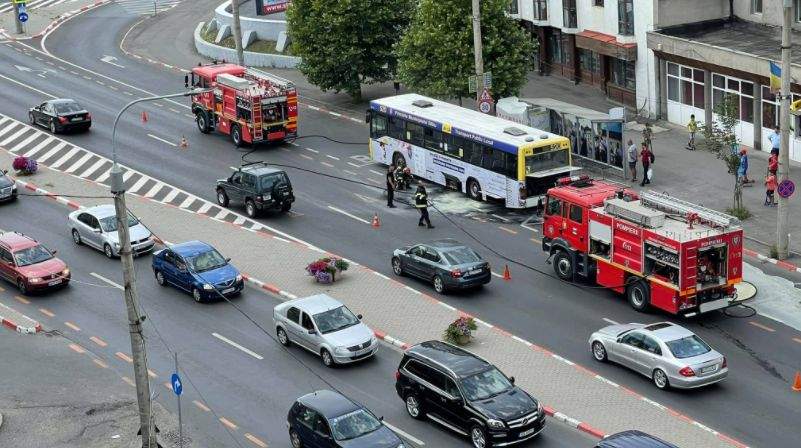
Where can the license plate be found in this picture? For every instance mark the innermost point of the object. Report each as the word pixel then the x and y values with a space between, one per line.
pixel 226 291
pixel 527 432
pixel 54 282
pixel 76 119
pixel 474 272
pixel 708 369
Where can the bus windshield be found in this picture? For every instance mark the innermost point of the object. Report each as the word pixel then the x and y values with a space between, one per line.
pixel 543 161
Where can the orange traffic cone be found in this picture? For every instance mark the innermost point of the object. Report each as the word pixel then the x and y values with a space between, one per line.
pixel 184 144
pixel 506 274
pixel 376 221
pixel 144 116
pixel 797 382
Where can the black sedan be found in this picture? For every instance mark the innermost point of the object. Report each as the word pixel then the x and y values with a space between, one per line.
pixel 447 264
pixel 8 188
pixel 60 115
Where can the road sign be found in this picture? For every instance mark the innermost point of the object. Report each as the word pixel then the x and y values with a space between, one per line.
pixel 177 387
pixel 487 80
pixel 485 102
pixel 472 82
pixel 23 17
pixel 786 188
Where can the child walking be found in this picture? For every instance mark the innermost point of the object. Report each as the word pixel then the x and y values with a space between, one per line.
pixel 770 187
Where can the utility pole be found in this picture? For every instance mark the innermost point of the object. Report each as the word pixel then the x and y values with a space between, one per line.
pixel 240 55
pixel 782 235
pixel 17 22
pixel 477 46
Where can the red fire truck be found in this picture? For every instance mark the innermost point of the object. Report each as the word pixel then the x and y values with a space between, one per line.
pixel 659 251
pixel 250 105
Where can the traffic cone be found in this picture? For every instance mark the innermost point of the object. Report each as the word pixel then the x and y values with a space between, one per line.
pixel 144 116
pixel 184 144
pixel 376 221
pixel 797 382
pixel 506 274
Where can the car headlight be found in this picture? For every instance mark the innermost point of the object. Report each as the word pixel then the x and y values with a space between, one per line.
pixel 341 350
pixel 495 424
pixel 117 246
pixel 373 340
pixel 35 280
pixel 239 277
pixel 66 271
pixel 207 287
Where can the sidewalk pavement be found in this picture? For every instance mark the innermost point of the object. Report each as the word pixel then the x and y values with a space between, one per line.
pixel 43 16
pixel 17 321
pixel 400 314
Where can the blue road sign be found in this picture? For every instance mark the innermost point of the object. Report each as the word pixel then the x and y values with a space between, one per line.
pixel 786 188
pixel 23 17
pixel 177 387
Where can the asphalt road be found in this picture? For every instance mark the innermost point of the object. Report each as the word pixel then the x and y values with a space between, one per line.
pixel 534 306
pixel 253 393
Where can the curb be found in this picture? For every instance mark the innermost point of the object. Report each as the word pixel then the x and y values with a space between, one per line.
pixel 57 21
pixel 32 327
pixel 780 263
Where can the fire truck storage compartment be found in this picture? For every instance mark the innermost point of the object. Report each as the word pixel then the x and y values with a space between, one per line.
pixel 610 276
pixel 711 266
pixel 662 262
pixel 600 239
pixel 664 297
pixel 627 245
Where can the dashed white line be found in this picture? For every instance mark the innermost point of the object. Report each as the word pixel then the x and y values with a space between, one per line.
pixel 496 274
pixel 332 157
pixel 353 165
pixel 377 172
pixel 235 345
pixel 327 164
pixel 161 140
pixel 349 215
pixel 312 150
pixel 500 217
pixel 306 157
pixel 607 320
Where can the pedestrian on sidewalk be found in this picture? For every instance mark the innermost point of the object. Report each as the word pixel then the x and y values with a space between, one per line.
pixel 632 159
pixel 647 158
pixel 775 141
pixel 421 202
pixel 692 128
pixel 770 187
pixel 390 186
pixel 742 171
pixel 646 136
pixel 773 164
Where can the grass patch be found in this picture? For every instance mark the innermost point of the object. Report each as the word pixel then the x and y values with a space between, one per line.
pixel 740 213
pixel 259 46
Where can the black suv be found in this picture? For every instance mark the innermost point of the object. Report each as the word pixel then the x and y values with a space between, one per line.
pixel 466 394
pixel 633 439
pixel 258 187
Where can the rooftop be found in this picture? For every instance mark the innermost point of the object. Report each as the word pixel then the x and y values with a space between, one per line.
pixel 16 241
pixel 329 403
pixel 190 248
pixel 315 304
pixel 461 362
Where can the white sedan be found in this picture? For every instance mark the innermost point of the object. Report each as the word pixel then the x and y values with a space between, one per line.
pixel 97 227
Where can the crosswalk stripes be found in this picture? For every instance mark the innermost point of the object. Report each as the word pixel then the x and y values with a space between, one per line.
pixel 35 4
pixel 145 7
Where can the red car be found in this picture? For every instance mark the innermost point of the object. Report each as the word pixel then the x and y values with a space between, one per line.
pixel 29 265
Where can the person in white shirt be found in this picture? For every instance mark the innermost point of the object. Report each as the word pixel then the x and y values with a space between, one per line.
pixel 775 141
pixel 631 154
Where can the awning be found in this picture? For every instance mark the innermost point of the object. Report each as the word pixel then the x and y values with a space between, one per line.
pixel 607 45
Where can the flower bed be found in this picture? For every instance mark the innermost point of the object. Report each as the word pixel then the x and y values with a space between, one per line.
pixel 460 331
pixel 25 165
pixel 325 270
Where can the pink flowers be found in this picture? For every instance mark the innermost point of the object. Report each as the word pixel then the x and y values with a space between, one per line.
pixel 25 165
pixel 324 270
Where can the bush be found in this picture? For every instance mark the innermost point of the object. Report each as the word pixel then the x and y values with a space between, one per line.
pixel 460 329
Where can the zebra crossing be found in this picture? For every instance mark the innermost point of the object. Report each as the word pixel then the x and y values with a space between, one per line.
pixel 145 7
pixel 35 4
pixel 22 139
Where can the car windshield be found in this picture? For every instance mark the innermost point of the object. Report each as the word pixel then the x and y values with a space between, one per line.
pixel 206 261
pixel 32 255
pixel 688 347
pixel 67 108
pixel 335 320
pixel 109 223
pixel 462 255
pixel 486 384
pixel 353 425
pixel 268 181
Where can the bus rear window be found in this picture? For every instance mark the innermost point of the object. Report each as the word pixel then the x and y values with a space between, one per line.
pixel 546 161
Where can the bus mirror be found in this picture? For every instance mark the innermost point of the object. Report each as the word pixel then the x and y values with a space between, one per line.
pixel 367 116
pixel 186 81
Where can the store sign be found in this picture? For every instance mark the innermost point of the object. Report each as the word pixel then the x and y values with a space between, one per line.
pixel 274 6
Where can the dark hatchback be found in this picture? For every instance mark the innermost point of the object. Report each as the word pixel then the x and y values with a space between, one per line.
pixel 326 419
pixel 633 439
pixel 60 115
pixel 8 188
pixel 447 264
pixel 466 394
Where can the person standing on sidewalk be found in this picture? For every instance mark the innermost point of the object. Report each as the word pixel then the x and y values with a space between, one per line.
pixel 742 171
pixel 421 202
pixel 775 141
pixel 773 164
pixel 692 128
pixel 647 158
pixel 390 186
pixel 646 136
pixel 770 187
pixel 631 155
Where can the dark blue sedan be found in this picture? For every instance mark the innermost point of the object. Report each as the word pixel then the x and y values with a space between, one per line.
pixel 327 419
pixel 199 269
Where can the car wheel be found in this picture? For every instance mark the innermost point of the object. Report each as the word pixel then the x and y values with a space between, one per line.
pixel 439 285
pixel 413 407
pixel 598 351
pixel 76 237
pixel 478 437
pixel 328 360
pixel 474 189
pixel 160 279
pixel 638 295
pixel 202 122
pixel 282 337
pixel 196 295
pixel 250 208
pixel 222 198
pixel 23 289
pixel 563 266
pixel 397 268
pixel 286 206
pixel 53 126
pixel 660 379
pixel 294 439
pixel 31 118
pixel 107 250
pixel 236 135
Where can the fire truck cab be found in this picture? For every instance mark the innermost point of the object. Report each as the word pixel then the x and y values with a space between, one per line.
pixel 250 105
pixel 659 251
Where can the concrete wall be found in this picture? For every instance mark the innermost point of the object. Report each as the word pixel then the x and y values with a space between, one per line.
pixel 265 29
pixel 251 59
pixel 677 12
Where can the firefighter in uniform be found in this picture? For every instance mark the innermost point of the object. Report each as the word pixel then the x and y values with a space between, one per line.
pixel 421 202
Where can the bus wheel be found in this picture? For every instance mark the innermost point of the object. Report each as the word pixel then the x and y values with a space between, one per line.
pixel 474 189
pixel 202 122
pixel 639 295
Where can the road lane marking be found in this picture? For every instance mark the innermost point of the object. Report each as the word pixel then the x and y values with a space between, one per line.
pixel 235 345
pixel 201 406
pixel 100 363
pixel 350 172
pixel 327 164
pixel 607 320
pixel 28 87
pixel 77 348
pixel 124 357
pixel 175 111
pixel 74 72
pixel 332 157
pixel 87 77
pixel 513 232
pixel 349 215
pixel 98 341
pixel 306 157
pixel 161 139
pixel 496 274
pixel 113 88
pixel 404 434
pixel 47 312
pixel 354 165
pixel 500 217
pixel 228 423
pixel 377 172
pixel 758 325
pixel 129 381
pixel 104 279
pixel 797 340
pixel 73 326
pixel 536 240
pixel 21 299
pixel 151 374
pixel 100 82
pixel 255 440
pixel 312 150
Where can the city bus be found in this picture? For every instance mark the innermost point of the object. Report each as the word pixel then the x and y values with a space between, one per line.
pixel 478 154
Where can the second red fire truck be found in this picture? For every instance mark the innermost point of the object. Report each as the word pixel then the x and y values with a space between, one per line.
pixel 249 105
pixel 660 251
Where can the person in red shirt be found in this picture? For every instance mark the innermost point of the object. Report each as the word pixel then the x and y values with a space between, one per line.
pixel 646 157
pixel 770 187
pixel 773 164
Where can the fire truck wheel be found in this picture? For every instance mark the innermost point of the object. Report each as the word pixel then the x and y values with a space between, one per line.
pixel 202 122
pixel 639 295
pixel 236 135
pixel 563 265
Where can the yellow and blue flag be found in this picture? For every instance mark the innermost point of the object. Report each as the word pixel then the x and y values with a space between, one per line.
pixel 775 77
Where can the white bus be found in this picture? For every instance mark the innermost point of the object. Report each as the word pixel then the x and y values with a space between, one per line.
pixel 480 155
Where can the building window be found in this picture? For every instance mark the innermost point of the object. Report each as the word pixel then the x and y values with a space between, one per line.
pixel 540 9
pixel 756 6
pixel 625 17
pixel 598 3
pixel 686 85
pixel 513 7
pixel 589 61
pixel 555 48
pixel 622 73
pixel 569 14
pixel 770 108
pixel 744 91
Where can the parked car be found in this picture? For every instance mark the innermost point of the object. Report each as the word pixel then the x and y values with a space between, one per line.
pixel 29 265
pixel 633 439
pixel 325 327
pixel 197 268
pixel 60 115
pixel 447 263
pixel 328 419
pixel 466 394
pixel 669 354
pixel 8 188
pixel 258 187
pixel 97 227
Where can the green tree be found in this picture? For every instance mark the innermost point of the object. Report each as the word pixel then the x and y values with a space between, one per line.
pixel 435 56
pixel 346 43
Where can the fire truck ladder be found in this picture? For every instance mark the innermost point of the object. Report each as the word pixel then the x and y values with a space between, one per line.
pixel 257 120
pixel 670 204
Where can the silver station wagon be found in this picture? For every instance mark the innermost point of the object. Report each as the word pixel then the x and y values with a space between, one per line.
pixel 325 327
pixel 97 227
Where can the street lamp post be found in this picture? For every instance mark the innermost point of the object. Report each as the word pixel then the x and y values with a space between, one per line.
pixel 135 318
